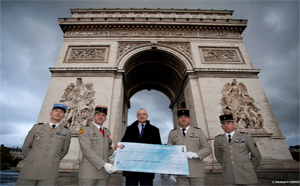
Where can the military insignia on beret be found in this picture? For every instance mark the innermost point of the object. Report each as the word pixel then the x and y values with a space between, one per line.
pixel 81 131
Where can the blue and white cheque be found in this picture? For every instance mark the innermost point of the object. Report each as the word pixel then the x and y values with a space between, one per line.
pixel 139 157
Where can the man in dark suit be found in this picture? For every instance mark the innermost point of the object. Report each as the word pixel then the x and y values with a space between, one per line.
pixel 140 131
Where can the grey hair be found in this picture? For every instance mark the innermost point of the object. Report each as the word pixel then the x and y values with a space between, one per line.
pixel 142 109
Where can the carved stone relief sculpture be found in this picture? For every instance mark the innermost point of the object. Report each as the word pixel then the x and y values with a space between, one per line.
pixel 126 46
pixel 241 105
pixel 153 32
pixel 87 54
pixel 183 47
pixel 80 101
pixel 221 55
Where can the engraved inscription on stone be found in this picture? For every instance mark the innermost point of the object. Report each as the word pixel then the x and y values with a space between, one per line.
pixel 87 54
pixel 80 101
pixel 221 55
pixel 241 105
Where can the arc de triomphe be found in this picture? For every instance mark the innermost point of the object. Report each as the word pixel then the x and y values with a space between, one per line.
pixel 195 57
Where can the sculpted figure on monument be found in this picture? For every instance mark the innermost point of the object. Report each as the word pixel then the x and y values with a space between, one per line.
pixel 184 47
pixel 80 101
pixel 241 105
pixel 220 55
pixel 87 54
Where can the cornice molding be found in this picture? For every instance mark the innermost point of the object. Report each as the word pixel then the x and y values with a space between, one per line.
pixel 149 19
pixel 224 73
pixel 157 13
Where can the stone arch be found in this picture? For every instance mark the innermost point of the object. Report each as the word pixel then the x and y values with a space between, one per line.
pixel 135 49
pixel 160 68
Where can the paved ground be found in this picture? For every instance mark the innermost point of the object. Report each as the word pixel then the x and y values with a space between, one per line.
pixel 275 179
pixel 212 179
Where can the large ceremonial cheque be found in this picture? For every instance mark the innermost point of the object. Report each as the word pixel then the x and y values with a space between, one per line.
pixel 139 157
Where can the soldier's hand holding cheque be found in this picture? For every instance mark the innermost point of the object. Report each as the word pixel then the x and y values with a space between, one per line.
pixel 191 155
pixel 109 168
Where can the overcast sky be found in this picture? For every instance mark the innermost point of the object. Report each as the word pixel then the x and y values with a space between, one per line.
pixel 31 40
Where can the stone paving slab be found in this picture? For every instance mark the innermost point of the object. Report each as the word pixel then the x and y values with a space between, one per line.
pixel 275 179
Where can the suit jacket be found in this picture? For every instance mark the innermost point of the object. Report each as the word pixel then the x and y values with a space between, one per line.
pixel 195 141
pixel 43 151
pixel 237 167
pixel 151 136
pixel 96 149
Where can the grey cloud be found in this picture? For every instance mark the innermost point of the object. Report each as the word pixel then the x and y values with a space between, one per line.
pixel 31 40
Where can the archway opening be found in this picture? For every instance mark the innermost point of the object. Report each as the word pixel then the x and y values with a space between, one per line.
pixel 156 104
pixel 153 79
pixel 154 69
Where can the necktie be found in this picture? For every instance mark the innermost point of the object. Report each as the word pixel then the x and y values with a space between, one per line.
pixel 53 126
pixel 229 138
pixel 183 132
pixel 142 131
pixel 102 131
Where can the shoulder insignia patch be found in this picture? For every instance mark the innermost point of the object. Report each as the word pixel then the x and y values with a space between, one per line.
pixel 197 128
pixel 40 123
pixel 81 131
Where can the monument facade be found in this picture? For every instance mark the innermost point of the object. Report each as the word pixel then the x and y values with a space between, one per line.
pixel 195 57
